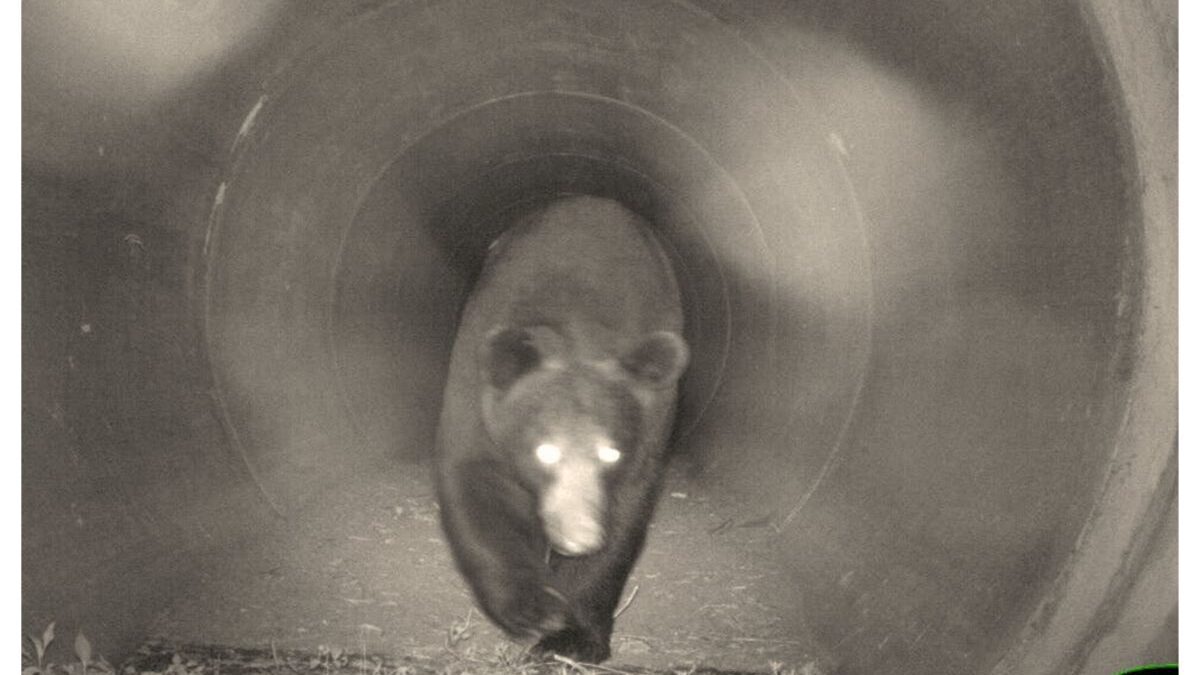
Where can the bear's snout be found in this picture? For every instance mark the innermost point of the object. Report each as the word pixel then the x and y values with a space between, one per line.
pixel 572 512
pixel 581 537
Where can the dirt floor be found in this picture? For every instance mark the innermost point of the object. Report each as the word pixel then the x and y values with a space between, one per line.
pixel 365 569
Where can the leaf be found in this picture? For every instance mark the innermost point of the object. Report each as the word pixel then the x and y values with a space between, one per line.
pixel 83 648
pixel 32 670
pixel 47 637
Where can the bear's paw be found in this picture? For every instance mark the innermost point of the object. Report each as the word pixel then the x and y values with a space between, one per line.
pixel 532 611
pixel 575 643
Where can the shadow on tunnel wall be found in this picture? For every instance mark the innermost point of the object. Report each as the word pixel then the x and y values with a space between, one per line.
pixel 127 475
pixel 915 345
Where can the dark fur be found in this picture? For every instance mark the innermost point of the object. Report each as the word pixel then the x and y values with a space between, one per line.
pixel 574 321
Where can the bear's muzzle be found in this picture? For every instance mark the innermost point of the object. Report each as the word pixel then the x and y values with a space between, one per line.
pixel 572 510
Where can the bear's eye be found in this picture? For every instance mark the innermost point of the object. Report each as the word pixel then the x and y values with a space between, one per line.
pixel 607 454
pixel 548 453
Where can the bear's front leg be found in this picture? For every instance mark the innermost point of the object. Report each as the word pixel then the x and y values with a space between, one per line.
pixel 585 638
pixel 594 583
pixel 492 526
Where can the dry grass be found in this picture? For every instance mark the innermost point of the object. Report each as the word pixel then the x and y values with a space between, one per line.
pixel 162 659
pixel 458 658
pixel 508 659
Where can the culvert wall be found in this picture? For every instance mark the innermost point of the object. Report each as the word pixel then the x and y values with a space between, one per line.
pixel 927 256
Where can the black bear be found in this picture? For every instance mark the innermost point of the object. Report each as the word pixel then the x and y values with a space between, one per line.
pixel 559 401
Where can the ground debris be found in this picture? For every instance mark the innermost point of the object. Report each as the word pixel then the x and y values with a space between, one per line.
pixel 164 658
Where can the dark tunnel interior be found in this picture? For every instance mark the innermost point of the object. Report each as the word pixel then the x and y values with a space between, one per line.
pixel 926 252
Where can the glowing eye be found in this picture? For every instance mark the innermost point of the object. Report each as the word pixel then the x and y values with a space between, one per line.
pixel 608 454
pixel 548 453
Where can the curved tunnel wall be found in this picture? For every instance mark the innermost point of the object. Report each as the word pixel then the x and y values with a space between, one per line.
pixel 915 272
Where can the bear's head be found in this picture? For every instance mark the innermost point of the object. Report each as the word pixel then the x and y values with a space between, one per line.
pixel 574 425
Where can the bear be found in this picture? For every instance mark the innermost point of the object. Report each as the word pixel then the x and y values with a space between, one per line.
pixel 560 398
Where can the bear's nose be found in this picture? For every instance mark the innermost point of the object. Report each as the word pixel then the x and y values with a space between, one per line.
pixel 578 538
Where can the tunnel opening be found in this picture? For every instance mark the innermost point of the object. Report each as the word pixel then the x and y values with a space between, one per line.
pixel 914 277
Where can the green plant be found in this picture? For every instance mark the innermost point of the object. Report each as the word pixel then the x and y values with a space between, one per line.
pixel 35 663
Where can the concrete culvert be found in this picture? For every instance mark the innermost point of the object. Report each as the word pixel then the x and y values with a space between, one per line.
pixel 927 257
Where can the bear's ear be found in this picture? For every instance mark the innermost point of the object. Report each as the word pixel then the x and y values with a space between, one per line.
pixel 507 354
pixel 658 361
